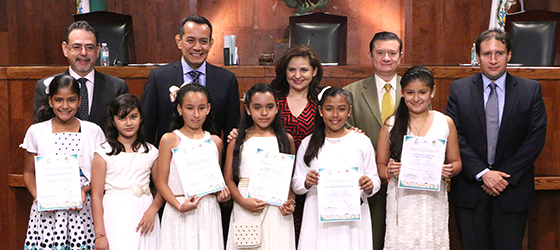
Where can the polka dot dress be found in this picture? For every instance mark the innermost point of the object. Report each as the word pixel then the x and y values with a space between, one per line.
pixel 62 229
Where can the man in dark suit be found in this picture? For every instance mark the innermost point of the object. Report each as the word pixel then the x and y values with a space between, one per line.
pixel 195 41
pixel 368 112
pixel 82 49
pixel 501 123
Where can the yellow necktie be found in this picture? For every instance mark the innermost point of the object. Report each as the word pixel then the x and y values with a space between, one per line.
pixel 387 104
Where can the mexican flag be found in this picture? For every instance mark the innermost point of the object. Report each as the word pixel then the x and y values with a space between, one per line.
pixel 499 10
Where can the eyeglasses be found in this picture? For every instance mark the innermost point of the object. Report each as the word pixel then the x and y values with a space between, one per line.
pixel 87 47
pixel 382 53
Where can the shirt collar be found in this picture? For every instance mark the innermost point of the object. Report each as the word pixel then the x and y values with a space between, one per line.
pixel 90 76
pixel 380 83
pixel 187 68
pixel 500 82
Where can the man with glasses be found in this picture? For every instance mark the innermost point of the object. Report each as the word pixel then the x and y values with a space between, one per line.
pixel 97 90
pixel 376 98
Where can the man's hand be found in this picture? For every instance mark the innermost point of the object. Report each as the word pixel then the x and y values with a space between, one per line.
pixel 494 182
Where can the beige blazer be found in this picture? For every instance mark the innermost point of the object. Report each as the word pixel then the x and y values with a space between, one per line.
pixel 366 113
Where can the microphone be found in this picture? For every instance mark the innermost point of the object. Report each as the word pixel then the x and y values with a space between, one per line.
pixel 116 62
pixel 309 39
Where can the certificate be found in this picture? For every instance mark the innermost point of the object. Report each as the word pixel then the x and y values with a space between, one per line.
pixel 422 160
pixel 338 192
pixel 270 177
pixel 57 178
pixel 199 169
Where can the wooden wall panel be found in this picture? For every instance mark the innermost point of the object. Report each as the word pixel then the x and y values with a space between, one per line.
pixel 34 30
pixel 440 32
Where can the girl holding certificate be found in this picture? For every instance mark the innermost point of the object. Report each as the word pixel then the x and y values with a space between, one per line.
pixel 343 158
pixel 124 212
pixel 188 222
pixel 60 133
pixel 260 128
pixel 416 219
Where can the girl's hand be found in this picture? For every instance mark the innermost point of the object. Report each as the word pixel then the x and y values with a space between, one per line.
pixel 232 135
pixel 288 207
pixel 224 195
pixel 101 243
pixel 357 130
pixel 365 184
pixel 253 205
pixel 146 224
pixel 189 204
pixel 447 171
pixel 393 168
pixel 83 201
pixel 311 179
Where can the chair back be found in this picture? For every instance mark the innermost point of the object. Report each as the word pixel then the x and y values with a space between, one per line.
pixel 322 32
pixel 114 29
pixel 535 37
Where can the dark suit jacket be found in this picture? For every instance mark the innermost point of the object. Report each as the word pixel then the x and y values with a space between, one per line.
pixel 520 140
pixel 224 95
pixel 105 89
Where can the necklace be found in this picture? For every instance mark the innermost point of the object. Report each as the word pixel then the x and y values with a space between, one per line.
pixel 418 130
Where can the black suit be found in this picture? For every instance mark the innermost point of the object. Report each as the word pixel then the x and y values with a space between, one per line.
pixel 105 89
pixel 521 138
pixel 224 95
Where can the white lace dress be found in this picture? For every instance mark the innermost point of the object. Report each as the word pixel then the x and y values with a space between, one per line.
pixel 418 219
pixel 277 230
pixel 197 229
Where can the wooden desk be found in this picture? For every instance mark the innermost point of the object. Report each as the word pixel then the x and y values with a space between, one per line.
pixel 17 85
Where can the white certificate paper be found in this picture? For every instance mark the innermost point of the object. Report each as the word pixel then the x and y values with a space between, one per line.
pixel 199 169
pixel 422 160
pixel 57 179
pixel 270 177
pixel 338 192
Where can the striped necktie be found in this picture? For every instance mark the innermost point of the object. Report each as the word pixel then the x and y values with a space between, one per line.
pixel 195 75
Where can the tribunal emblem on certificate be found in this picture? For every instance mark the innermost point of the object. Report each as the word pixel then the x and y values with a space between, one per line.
pixel 199 169
pixel 422 160
pixel 57 179
pixel 338 192
pixel 270 177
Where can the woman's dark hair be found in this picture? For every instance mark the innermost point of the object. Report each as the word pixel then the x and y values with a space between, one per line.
pixel 177 121
pixel 121 107
pixel 318 137
pixel 280 83
pixel 45 112
pixel 402 117
pixel 247 121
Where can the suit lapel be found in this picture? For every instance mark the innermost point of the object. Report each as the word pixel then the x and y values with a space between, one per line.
pixel 98 89
pixel 477 95
pixel 177 78
pixel 398 92
pixel 210 82
pixel 372 100
pixel 510 99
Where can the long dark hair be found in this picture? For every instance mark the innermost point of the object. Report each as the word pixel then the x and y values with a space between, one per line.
pixel 318 137
pixel 121 107
pixel 247 121
pixel 280 83
pixel 402 116
pixel 45 112
pixel 177 121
